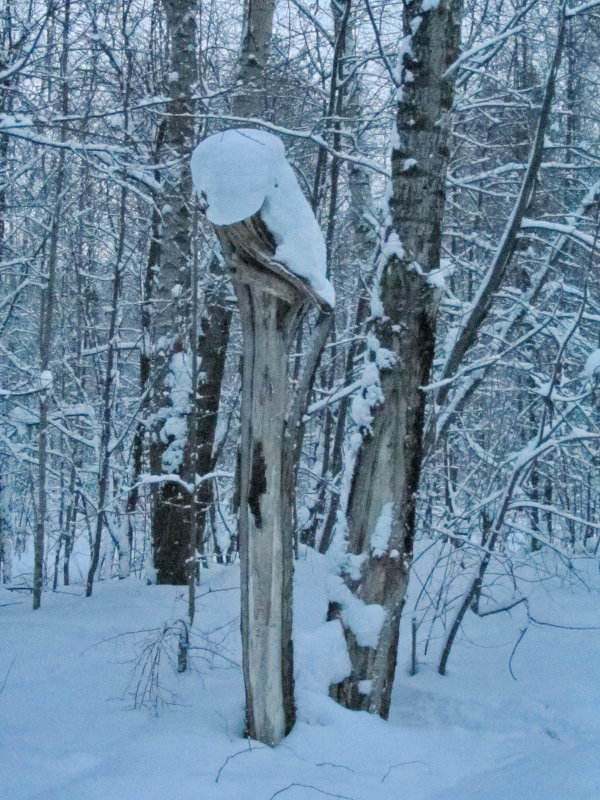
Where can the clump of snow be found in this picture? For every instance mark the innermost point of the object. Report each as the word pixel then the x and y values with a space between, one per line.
pixel 404 49
pixel 380 535
pixel 415 24
pixel 365 620
pixel 392 245
pixel 243 172
pixel 382 356
pixel 46 379
pixel 592 364
pixel 368 398
pixel 353 565
pixel 377 358
pixel 436 279
pixel 174 430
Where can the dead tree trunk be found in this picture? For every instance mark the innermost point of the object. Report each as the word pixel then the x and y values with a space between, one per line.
pixel 381 507
pixel 272 303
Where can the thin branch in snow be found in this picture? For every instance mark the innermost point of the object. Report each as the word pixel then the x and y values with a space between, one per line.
pixel 10 666
pixel 249 749
pixel 403 764
pixel 309 786
pixel 514 650
pixel 330 764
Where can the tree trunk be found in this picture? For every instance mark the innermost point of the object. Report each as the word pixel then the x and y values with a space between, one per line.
pixel 46 326
pixel 272 303
pixel 381 507
pixel 171 519
pixel 249 98
pixel 171 302
pixel 6 534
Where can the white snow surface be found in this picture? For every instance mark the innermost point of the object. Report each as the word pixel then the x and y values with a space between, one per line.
pixel 241 172
pixel 68 731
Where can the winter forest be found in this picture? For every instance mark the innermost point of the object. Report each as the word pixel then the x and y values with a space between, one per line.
pixel 300 399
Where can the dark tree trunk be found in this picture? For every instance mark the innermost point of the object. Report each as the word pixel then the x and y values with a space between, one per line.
pixel 170 295
pixel 385 475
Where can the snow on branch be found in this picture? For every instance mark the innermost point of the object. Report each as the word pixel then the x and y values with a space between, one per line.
pixel 146 480
pixel 572 12
pixel 242 172
pixel 467 55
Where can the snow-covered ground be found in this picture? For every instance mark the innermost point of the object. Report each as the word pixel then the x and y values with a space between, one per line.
pixel 69 673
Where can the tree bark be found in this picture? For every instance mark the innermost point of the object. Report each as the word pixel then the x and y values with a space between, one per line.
pixel 272 303
pixel 171 518
pixel 249 98
pixel 171 298
pixel 46 329
pixel 386 470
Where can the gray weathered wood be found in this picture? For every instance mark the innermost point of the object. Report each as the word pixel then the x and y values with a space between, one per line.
pixel 272 303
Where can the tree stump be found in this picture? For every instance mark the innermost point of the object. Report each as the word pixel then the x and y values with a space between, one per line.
pixel 272 302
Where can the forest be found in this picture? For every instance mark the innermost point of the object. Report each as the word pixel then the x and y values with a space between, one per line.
pixel 300 399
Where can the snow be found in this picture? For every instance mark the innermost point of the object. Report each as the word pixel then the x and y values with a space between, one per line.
pixel 436 280
pixel 592 364
pixel 368 398
pixel 173 433
pixel 380 536
pixel 392 247
pixel 242 172
pixel 46 379
pixel 377 359
pixel 69 731
pixel 365 620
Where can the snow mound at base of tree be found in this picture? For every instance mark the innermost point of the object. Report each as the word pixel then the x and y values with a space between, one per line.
pixel 242 172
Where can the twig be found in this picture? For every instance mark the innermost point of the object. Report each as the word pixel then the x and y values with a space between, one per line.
pixel 514 650
pixel 3 684
pixel 308 786
pixel 565 627
pixel 330 764
pixel 503 608
pixel 404 764
pixel 249 749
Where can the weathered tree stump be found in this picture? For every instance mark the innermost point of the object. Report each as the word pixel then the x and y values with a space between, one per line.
pixel 272 302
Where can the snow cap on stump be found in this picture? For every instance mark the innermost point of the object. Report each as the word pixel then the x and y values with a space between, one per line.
pixel 243 172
